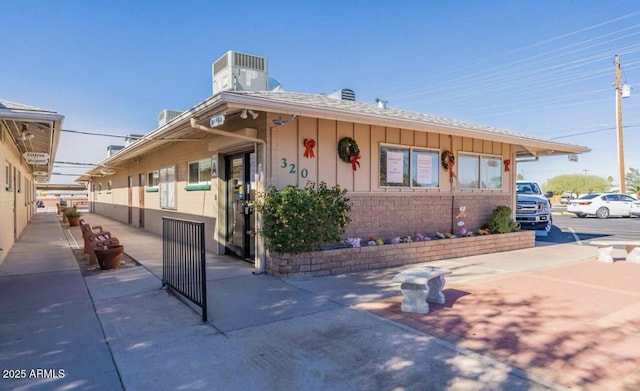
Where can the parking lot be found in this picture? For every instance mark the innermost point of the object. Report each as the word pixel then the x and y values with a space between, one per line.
pixel 569 228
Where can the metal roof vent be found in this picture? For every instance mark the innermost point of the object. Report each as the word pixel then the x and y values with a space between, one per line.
pixel 343 94
pixel 382 103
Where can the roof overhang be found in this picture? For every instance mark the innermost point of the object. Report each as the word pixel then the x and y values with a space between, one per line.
pixel 177 130
pixel 526 146
pixel 322 107
pixel 32 130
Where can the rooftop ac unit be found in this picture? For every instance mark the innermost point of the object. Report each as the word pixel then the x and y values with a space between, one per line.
pixel 111 149
pixel 132 138
pixel 236 71
pixel 167 115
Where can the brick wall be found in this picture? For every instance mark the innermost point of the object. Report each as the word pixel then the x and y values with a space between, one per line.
pixel 388 216
pixel 346 260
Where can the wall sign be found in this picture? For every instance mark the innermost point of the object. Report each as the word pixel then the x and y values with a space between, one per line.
pixel 36 157
pixel 214 166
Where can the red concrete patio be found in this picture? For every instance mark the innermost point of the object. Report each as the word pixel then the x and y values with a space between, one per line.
pixel 577 324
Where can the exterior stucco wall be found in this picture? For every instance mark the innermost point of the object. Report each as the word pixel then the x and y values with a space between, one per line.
pixel 197 205
pixel 21 194
pixel 153 221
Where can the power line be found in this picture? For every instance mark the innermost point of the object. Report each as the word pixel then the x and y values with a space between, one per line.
pixel 446 81
pixel 592 131
pixel 93 133
pixel 536 82
pixel 75 163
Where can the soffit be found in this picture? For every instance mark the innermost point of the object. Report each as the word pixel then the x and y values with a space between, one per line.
pixel 32 129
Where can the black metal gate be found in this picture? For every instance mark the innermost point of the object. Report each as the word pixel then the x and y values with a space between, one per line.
pixel 183 260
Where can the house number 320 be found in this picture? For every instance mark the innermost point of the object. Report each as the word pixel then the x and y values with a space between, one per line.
pixel 292 168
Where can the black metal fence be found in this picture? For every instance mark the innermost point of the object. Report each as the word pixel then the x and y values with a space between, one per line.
pixel 183 260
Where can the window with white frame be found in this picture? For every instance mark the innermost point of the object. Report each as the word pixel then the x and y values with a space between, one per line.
pixel 477 171
pixel 408 167
pixel 167 185
pixel 199 172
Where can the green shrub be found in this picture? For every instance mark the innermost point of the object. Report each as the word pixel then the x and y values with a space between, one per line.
pixel 298 219
pixel 71 213
pixel 501 220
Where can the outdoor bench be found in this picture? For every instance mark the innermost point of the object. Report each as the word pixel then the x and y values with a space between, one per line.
pixel 95 237
pixel 86 229
pixel 605 249
pixel 420 286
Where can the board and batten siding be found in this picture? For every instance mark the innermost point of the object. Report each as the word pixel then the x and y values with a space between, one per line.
pixel 290 167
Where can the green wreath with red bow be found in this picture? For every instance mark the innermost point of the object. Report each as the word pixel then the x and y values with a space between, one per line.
pixel 448 160
pixel 349 152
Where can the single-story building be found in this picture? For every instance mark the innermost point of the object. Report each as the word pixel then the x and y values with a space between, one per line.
pixel 405 172
pixel 29 139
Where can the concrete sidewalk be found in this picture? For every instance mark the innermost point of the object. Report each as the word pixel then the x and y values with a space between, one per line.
pixel 122 331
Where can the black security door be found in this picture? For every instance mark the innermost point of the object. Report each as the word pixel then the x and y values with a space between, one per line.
pixel 240 239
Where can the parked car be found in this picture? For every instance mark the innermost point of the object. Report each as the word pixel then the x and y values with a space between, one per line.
pixel 565 198
pixel 601 205
pixel 635 208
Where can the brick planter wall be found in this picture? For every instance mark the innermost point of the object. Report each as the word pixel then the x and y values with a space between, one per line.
pixel 389 215
pixel 346 260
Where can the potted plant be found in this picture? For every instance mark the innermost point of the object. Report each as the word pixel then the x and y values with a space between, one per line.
pixel 73 216
pixel 109 256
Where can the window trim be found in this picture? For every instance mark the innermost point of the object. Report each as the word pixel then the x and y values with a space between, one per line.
pixel 199 184
pixel 411 152
pixel 478 179
pixel 150 188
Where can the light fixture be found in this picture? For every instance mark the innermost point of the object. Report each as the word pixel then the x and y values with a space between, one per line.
pixel 243 114
pixel 279 121
pixel 24 135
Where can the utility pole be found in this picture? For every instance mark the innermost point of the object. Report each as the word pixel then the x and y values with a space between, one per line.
pixel 619 125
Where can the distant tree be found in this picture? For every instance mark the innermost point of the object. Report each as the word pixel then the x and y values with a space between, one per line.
pixel 632 178
pixel 519 177
pixel 577 184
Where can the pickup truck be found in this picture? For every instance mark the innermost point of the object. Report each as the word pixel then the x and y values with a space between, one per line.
pixel 533 210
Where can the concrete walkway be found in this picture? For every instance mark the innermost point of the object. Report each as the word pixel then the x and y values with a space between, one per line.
pixel 120 330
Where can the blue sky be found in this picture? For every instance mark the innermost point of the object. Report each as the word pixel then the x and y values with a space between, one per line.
pixel 543 68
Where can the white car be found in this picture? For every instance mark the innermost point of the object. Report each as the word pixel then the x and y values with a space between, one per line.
pixel 602 205
pixel 635 208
